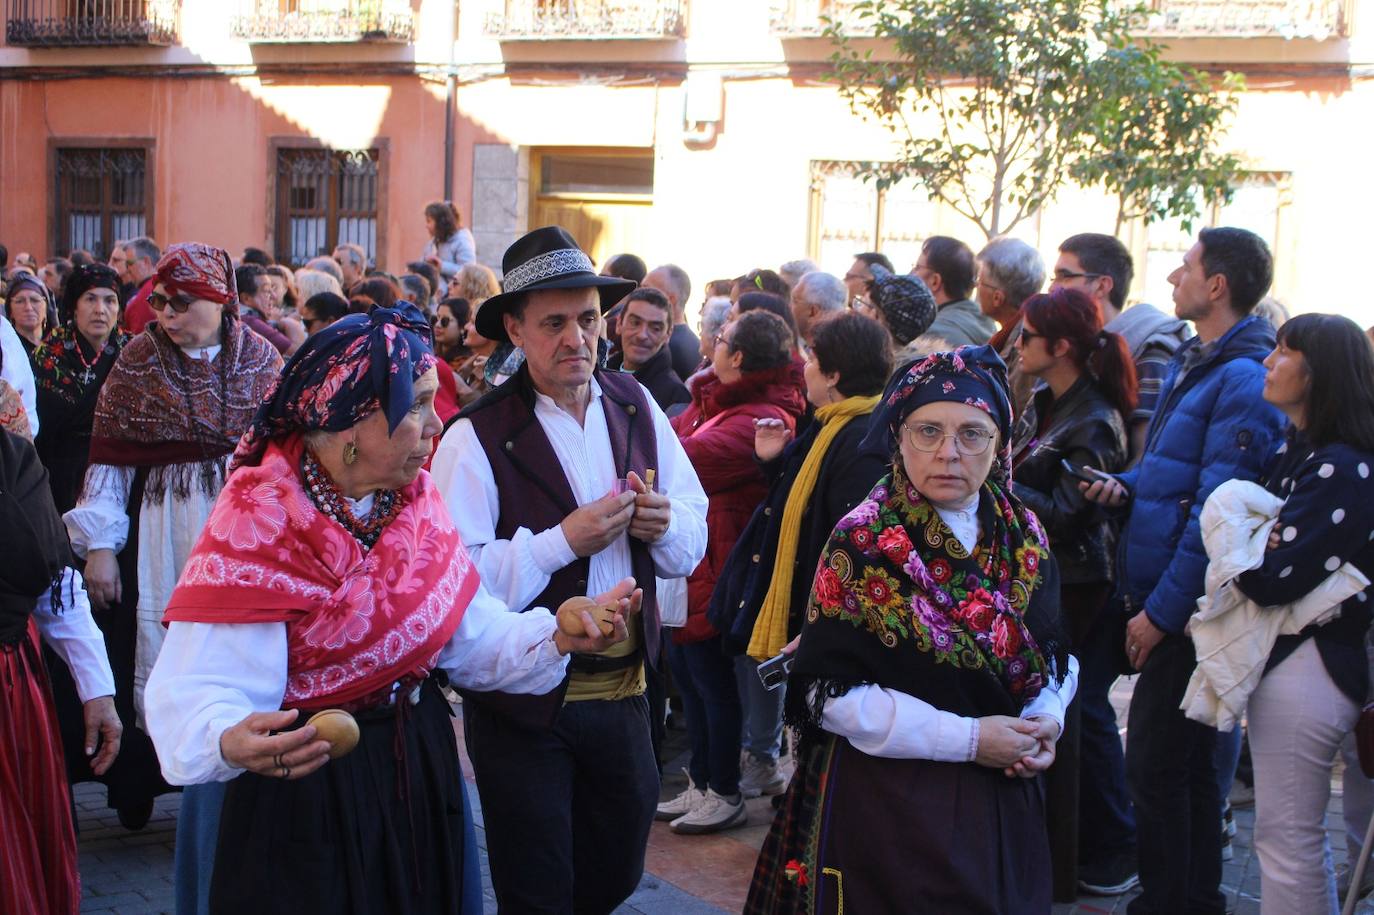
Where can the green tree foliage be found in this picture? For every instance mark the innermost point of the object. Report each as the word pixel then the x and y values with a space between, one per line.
pixel 1155 135
pixel 994 104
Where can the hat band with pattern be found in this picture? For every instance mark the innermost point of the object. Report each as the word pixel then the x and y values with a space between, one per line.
pixel 546 265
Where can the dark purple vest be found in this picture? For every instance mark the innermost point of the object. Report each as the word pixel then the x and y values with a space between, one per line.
pixel 533 492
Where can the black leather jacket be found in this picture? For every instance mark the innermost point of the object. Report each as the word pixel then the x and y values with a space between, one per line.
pixel 1085 429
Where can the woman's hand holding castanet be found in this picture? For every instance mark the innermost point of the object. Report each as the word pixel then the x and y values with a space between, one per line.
pixel 1003 741
pixel 251 745
pixel 593 624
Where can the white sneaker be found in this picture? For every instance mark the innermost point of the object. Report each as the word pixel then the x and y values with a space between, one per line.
pixel 713 813
pixel 683 804
pixel 761 776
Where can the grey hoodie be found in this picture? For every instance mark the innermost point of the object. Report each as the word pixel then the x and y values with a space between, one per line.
pixel 1146 327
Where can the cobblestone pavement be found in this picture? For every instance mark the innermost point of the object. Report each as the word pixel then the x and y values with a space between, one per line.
pixel 131 872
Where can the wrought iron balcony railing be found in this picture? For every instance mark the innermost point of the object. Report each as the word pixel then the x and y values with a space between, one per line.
pixel 1314 19
pixel 809 18
pixel 78 23
pixel 324 21
pixel 524 20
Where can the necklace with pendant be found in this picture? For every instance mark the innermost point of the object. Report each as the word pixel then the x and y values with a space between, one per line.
pixel 87 368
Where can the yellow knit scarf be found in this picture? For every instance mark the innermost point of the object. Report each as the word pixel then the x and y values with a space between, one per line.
pixel 770 629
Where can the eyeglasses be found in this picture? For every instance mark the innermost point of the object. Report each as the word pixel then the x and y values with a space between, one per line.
pixel 968 441
pixel 1062 275
pixel 179 303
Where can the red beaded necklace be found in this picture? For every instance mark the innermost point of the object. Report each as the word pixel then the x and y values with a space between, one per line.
pixel 330 500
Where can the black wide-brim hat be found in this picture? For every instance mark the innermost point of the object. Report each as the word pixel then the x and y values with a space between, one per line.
pixel 546 258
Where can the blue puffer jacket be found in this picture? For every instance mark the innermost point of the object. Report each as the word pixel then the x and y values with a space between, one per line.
pixel 1212 425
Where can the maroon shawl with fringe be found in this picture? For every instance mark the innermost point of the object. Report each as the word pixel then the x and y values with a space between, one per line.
pixel 160 408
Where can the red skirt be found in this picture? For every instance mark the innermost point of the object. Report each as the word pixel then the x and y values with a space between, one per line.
pixel 38 865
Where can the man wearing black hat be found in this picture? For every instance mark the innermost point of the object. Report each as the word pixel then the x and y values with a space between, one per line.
pixel 564 477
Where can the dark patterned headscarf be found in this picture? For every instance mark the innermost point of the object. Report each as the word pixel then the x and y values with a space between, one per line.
pixel 906 303
pixel 201 272
pixel 21 281
pixel 83 279
pixel 341 374
pixel 972 375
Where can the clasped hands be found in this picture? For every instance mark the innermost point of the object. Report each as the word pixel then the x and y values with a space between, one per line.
pixel 1020 747
pixel 640 512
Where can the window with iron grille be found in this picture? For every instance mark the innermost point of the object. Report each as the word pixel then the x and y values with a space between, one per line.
pixel 104 195
pixel 325 198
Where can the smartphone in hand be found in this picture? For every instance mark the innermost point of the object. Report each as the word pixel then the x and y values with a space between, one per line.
pixel 1084 473
pixel 774 671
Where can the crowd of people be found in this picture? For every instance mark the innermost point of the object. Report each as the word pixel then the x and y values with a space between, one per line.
pixel 885 541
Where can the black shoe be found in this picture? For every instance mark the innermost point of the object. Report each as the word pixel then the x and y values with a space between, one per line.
pixel 1112 876
pixel 135 816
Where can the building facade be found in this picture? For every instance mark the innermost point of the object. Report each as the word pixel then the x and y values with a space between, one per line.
pixel 696 131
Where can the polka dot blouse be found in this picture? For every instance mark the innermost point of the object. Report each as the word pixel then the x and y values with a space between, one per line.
pixel 1327 520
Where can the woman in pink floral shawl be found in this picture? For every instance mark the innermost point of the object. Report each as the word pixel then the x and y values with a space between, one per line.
pixel 329 575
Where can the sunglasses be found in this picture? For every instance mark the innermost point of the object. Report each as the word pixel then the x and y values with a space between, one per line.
pixel 178 303
pixel 443 322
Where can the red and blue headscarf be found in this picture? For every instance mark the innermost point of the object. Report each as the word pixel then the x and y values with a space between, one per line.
pixel 342 373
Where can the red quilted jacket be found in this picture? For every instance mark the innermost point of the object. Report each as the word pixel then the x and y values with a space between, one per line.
pixel 717 432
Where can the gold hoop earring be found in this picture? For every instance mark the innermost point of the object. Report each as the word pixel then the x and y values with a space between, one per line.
pixel 350 454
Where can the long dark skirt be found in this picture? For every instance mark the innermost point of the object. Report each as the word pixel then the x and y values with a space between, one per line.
pixel 379 831
pixel 861 834
pixel 135 778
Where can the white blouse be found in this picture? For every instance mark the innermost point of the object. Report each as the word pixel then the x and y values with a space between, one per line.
pixel 76 638
pixel 210 676
pixel 892 724
pixel 519 569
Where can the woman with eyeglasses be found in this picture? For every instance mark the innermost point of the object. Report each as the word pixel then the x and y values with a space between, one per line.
pixel 27 306
pixel 450 325
pixel 931 676
pixel 175 404
pixel 1087 385
pixel 1077 414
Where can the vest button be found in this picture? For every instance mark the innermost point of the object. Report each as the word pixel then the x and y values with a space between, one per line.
pixel 581 586
pixel 510 446
pixel 756 557
pixel 741 605
pixel 768 509
pixel 632 409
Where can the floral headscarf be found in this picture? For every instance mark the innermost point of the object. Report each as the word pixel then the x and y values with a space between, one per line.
pixel 342 373
pixel 972 375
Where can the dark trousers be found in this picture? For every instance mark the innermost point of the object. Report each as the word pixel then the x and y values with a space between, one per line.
pixel 1106 823
pixel 1172 774
pixel 706 679
pixel 567 810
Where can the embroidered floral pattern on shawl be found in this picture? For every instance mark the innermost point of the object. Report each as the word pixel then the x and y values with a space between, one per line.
pixel 964 610
pixel 60 366
pixel 356 622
